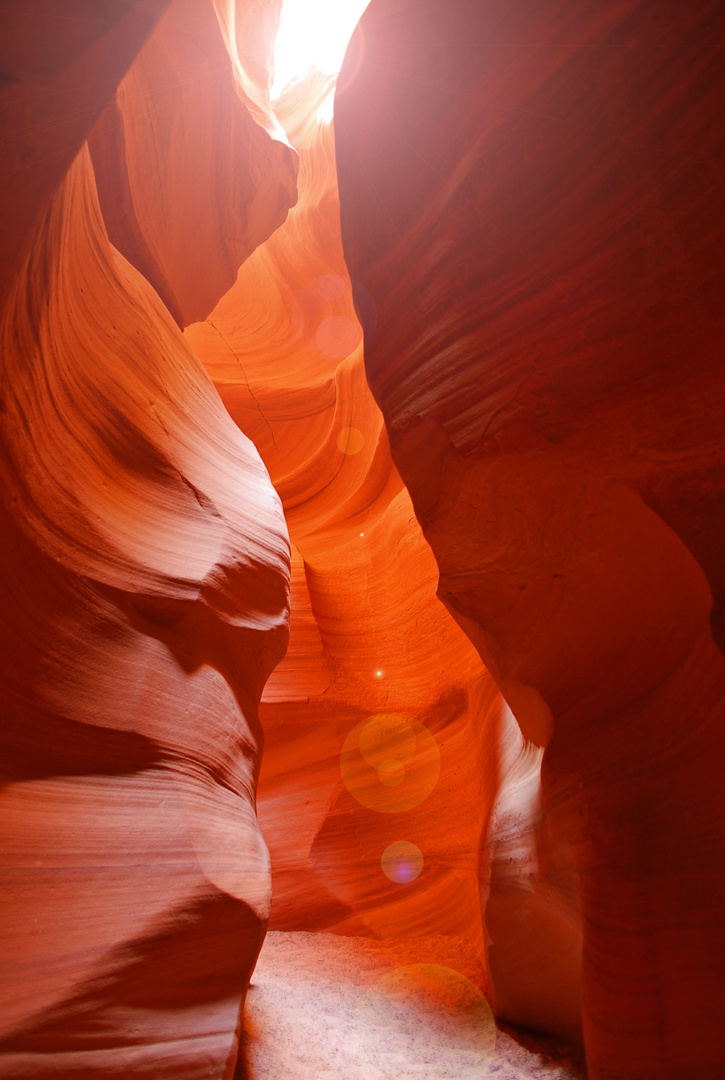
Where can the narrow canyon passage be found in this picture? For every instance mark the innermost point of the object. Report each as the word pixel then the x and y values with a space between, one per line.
pixel 361 504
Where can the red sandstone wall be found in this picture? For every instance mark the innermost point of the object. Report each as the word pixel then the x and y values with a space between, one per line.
pixel 144 590
pixel 530 193
pixel 531 220
pixel 60 68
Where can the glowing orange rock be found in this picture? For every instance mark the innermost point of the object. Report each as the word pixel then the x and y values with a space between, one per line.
pixel 370 644
pixel 140 595
pixel 144 603
pixel 190 183
pixel 390 763
pixel 527 258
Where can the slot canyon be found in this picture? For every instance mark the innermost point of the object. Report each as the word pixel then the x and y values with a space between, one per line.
pixel 362 475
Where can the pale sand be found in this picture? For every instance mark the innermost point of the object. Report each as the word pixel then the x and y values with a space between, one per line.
pixel 318 1010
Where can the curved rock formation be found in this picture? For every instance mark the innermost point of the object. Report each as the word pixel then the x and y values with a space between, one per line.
pixel 144 603
pixel 190 184
pixel 532 241
pixel 530 194
pixel 369 640
pixel 59 70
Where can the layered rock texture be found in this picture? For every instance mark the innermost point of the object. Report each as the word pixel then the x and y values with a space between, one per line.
pixel 373 654
pixel 145 565
pixel 450 436
pixel 531 193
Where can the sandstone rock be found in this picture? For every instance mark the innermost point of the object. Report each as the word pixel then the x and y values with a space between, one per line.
pixel 59 69
pixel 190 184
pixel 531 235
pixel 529 193
pixel 144 603
pixel 369 640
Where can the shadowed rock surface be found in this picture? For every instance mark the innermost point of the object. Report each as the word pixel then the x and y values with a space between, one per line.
pixel 530 193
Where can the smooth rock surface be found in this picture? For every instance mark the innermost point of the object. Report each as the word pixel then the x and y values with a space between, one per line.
pixel 531 195
pixel 145 600
pixel 60 68
pixel 144 604
pixel 368 637
pixel 189 182
pixel 532 223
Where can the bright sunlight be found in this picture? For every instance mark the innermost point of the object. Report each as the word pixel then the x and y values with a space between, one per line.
pixel 313 33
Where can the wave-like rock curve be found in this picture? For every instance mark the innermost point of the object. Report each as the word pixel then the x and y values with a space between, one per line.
pixel 530 193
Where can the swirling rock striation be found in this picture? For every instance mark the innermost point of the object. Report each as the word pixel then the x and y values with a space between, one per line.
pixel 145 593
pixel 189 182
pixel 370 644
pixel 531 195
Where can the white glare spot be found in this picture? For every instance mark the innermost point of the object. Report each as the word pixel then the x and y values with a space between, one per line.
pixel 326 111
pixel 313 33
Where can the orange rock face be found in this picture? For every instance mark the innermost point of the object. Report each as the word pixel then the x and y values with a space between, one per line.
pixel 144 583
pixel 189 182
pixel 381 723
pixel 493 540
pixel 538 222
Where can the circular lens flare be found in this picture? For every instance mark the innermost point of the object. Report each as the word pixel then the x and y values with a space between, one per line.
pixel 338 337
pixel 323 318
pixel 391 772
pixel 387 739
pixel 331 287
pixel 350 440
pixel 402 862
pixel 424 1020
pixel 390 763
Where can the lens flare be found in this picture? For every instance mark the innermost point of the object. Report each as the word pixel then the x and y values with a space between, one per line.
pixel 424 1020
pixel 350 441
pixel 390 763
pixel 323 318
pixel 338 337
pixel 402 862
pixel 331 287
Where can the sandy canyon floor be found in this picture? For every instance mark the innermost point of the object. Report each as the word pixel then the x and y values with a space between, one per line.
pixel 325 1007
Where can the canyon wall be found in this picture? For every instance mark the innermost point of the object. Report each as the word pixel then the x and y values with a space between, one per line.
pixel 385 840
pixel 145 571
pixel 531 195
pixel 146 564
pixel 532 235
